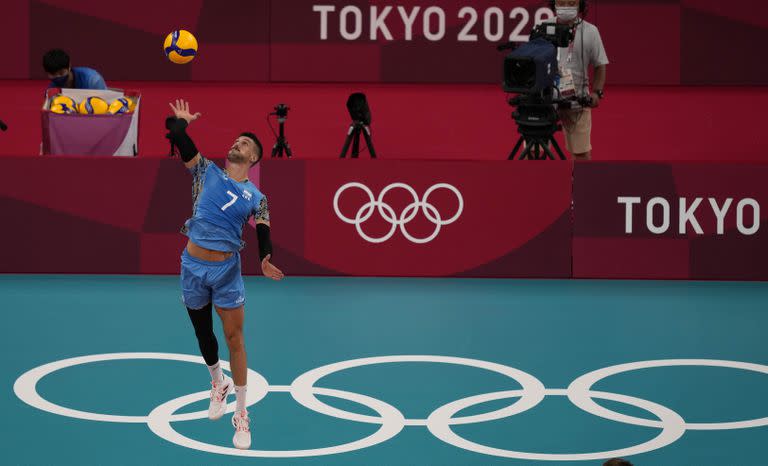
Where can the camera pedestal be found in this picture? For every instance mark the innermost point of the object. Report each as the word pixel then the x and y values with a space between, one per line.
pixel 537 122
pixel 537 148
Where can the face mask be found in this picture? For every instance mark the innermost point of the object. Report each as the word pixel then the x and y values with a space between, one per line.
pixel 60 81
pixel 566 13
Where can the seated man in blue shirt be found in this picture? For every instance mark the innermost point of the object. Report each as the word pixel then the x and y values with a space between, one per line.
pixel 61 74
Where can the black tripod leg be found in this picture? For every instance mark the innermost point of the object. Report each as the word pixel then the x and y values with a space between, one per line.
pixel 288 152
pixel 557 148
pixel 526 152
pixel 356 143
pixel 536 150
pixel 516 148
pixel 346 142
pixel 548 152
pixel 368 142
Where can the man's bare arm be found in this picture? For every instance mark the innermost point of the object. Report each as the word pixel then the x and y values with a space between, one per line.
pixel 178 134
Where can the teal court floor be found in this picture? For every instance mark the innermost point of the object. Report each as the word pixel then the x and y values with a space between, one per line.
pixel 371 371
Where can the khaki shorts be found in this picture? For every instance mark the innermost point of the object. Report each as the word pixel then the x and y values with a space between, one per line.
pixel 577 127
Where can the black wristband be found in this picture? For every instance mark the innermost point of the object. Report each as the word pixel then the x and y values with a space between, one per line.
pixel 178 135
pixel 265 243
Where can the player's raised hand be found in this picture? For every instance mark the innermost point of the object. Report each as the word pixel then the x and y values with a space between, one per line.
pixel 270 270
pixel 181 110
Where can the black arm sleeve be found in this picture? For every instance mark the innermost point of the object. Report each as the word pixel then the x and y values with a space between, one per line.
pixel 265 243
pixel 177 128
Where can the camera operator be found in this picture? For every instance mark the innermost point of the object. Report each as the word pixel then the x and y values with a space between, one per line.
pixel 586 49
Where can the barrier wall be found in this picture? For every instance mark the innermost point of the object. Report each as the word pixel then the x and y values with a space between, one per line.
pixel 83 215
pixel 402 218
pixel 670 220
pixel 670 42
pixel 471 219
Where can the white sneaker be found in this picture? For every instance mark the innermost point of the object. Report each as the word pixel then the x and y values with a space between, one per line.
pixel 219 392
pixel 242 438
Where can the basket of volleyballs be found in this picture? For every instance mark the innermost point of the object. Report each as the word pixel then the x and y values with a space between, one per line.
pixel 180 47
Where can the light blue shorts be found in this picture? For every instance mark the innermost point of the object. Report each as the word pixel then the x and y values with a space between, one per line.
pixel 203 282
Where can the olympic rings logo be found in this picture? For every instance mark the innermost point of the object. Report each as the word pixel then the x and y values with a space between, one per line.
pixel 390 420
pixel 388 213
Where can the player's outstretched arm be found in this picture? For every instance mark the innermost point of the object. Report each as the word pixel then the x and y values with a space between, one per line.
pixel 265 251
pixel 178 134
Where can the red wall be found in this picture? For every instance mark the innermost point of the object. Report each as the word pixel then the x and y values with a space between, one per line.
pixel 659 42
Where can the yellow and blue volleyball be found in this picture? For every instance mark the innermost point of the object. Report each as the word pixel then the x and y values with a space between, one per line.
pixel 93 106
pixel 180 47
pixel 63 104
pixel 121 105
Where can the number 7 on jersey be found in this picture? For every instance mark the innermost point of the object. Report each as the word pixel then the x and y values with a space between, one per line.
pixel 234 199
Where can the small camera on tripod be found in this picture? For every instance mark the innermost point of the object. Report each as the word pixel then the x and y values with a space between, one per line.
pixel 281 110
pixel 281 144
pixel 360 112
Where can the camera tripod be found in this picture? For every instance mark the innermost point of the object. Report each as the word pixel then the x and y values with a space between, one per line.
pixel 537 121
pixel 353 136
pixel 537 145
pixel 281 145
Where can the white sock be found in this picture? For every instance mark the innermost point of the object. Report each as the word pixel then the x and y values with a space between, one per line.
pixel 216 374
pixel 240 395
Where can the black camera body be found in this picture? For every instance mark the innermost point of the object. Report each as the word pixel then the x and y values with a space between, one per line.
pixel 358 108
pixel 532 67
pixel 281 110
pixel 560 35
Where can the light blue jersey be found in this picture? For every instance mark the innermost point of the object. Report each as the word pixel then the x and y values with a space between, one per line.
pixel 221 208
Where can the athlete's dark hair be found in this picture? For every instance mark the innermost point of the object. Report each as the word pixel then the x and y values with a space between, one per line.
pixel 259 149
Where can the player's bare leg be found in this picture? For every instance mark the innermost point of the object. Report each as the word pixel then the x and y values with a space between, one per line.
pixel 232 320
